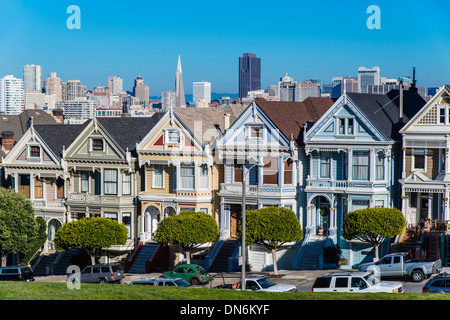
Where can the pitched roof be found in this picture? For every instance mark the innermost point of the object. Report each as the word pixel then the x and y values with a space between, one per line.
pixel 211 119
pixel 129 131
pixel 383 110
pixel 19 124
pixel 291 117
pixel 59 136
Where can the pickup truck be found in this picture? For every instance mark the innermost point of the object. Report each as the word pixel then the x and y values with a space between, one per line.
pixel 400 265
pixel 260 283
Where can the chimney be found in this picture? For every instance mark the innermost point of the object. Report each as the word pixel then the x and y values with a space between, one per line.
pixel 227 122
pixel 8 140
pixel 58 114
pixel 401 101
pixel 413 87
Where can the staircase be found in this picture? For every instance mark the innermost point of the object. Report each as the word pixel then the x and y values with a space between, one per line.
pixel 220 263
pixel 409 241
pixel 65 261
pixel 146 252
pixel 310 254
pixel 42 268
pixel 447 255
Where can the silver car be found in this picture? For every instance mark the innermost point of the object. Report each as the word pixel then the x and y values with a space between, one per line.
pixel 102 273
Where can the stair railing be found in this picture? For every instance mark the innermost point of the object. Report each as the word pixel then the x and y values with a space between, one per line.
pixel 133 254
pixel 212 256
pixel 299 252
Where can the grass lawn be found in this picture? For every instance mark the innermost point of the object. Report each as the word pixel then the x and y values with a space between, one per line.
pixel 59 291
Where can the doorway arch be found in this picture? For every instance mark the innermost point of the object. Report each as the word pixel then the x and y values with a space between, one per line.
pixel 53 226
pixel 152 216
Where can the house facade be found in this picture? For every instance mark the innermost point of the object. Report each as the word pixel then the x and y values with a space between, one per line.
pixel 425 180
pixel 354 152
pixel 266 133
pixel 176 173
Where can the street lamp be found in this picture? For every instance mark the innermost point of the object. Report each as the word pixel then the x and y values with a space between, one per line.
pixel 243 253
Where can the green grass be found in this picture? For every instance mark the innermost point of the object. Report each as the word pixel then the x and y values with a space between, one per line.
pixel 59 291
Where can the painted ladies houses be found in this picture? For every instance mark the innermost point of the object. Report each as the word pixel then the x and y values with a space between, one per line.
pixel 102 172
pixel 35 168
pixel 268 132
pixel 355 158
pixel 176 171
pixel 425 180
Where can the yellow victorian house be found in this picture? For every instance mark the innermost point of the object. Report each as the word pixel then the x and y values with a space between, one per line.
pixel 176 171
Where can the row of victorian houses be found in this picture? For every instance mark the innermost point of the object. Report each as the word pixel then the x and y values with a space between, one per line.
pixel 322 158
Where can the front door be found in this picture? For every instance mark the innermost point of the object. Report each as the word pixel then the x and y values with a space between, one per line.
pixel 235 217
pixel 424 208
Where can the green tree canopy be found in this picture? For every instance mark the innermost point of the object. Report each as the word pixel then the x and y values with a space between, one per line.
pixel 18 226
pixel 187 230
pixel 91 234
pixel 373 225
pixel 271 227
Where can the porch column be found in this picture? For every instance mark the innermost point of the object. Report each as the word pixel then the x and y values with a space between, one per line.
pixel 446 201
pixel 430 205
pixel 403 163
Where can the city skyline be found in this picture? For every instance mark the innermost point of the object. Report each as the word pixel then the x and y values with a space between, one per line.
pixel 329 40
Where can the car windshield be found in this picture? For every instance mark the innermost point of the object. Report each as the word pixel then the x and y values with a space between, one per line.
pixel 265 283
pixel 201 270
pixel 181 283
pixel 371 279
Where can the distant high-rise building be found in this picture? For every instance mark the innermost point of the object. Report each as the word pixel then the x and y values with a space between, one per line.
pixel 180 99
pixel 368 76
pixel 115 84
pixel 343 84
pixel 167 100
pixel 32 78
pixel 290 90
pixel 141 91
pixel 53 85
pixel 11 95
pixel 272 90
pixel 202 91
pixel 73 89
pixel 249 74
pixel 431 91
pixel 79 109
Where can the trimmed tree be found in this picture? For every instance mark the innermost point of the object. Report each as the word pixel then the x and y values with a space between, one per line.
pixel 18 226
pixel 271 227
pixel 187 230
pixel 373 225
pixel 91 234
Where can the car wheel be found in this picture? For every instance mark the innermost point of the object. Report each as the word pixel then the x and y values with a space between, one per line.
pixel 102 281
pixel 418 276
pixel 195 281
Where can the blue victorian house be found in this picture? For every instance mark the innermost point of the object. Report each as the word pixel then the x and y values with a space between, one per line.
pixel 354 154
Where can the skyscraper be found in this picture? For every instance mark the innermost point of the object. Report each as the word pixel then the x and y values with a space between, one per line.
pixel 180 100
pixel 32 78
pixel 202 91
pixel 141 91
pixel 53 85
pixel 368 76
pixel 249 74
pixel 73 89
pixel 115 84
pixel 11 95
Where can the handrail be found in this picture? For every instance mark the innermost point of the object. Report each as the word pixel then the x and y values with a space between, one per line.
pixel 210 258
pixel 37 251
pixel 133 254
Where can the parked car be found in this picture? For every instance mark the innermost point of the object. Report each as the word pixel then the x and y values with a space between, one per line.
pixel 260 283
pixel 400 265
pixel 16 273
pixel 161 282
pixel 438 284
pixel 192 273
pixel 354 281
pixel 102 273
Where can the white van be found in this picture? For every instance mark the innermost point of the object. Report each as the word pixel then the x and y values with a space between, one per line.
pixel 354 282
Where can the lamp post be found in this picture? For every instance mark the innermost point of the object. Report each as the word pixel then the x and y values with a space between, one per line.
pixel 243 253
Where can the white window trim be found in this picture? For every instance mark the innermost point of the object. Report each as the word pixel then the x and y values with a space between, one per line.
pixel 413 160
pixel 166 136
pixel 338 125
pixel 249 132
pixel 153 177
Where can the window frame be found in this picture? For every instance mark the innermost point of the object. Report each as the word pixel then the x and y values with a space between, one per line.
pixel 110 182
pixel 190 176
pixel 204 178
pixel 155 174
pixel 126 183
pixel 95 147
pixel 414 156
pixel 357 176
pixel 32 153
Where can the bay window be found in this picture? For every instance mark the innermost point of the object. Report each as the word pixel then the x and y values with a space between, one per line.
pixel 187 177
pixel 110 181
pixel 361 165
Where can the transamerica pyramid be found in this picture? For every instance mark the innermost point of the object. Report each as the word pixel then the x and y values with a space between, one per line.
pixel 180 100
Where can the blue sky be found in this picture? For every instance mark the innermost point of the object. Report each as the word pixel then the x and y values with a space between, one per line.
pixel 309 39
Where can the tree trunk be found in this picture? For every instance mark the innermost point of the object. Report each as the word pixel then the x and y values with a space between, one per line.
pixel 274 259
pixel 376 251
pixel 4 257
pixel 188 256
